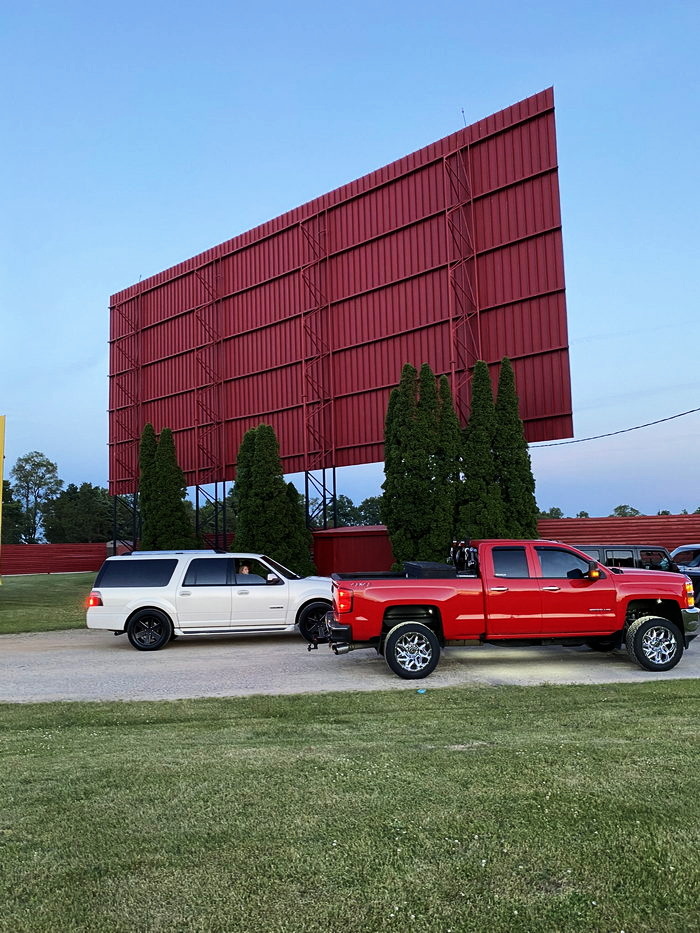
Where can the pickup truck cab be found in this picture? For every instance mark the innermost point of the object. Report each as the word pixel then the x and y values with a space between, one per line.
pixel 524 592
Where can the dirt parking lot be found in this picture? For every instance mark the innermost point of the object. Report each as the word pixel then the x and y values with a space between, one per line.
pixel 89 665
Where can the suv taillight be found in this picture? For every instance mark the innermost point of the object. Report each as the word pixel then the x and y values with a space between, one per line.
pixel 343 600
pixel 94 599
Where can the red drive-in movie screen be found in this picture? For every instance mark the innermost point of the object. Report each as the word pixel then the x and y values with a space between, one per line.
pixel 446 256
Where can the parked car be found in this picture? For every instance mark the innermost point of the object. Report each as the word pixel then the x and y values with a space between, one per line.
pixel 641 556
pixel 687 559
pixel 155 596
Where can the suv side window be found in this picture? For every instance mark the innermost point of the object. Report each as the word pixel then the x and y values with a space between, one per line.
pixel 654 560
pixel 208 571
pixel 619 557
pixel 136 572
pixel 510 562
pixel 251 572
pixel 558 564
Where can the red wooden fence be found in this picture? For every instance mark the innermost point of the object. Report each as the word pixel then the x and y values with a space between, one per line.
pixel 348 550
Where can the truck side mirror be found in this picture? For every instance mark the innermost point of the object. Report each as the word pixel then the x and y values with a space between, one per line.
pixel 593 570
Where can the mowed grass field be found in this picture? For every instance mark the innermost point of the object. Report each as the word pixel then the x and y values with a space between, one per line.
pixel 43 602
pixel 475 809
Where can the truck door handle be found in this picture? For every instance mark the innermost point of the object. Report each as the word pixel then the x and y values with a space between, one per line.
pixel 499 589
pixel 552 589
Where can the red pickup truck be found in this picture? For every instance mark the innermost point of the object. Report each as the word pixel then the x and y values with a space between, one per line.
pixel 519 592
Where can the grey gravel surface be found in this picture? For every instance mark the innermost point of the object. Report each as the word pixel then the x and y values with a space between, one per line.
pixel 90 665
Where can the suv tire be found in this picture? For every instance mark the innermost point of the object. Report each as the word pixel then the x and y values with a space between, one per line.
pixel 412 650
pixel 310 620
pixel 149 630
pixel 654 643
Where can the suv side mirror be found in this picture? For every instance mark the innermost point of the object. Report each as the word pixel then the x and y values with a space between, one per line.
pixel 272 579
pixel 593 570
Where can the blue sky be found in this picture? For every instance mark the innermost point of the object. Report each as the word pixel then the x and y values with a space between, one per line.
pixel 136 135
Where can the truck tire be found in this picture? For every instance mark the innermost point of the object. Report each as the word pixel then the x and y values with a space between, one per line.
pixel 412 650
pixel 654 643
pixel 310 620
pixel 149 630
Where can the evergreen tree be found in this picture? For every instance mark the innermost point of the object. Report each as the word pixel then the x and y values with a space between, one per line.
pixel 247 495
pixel 148 486
pixel 401 486
pixel 512 461
pixel 421 467
pixel 481 506
pixel 168 525
pixel 270 516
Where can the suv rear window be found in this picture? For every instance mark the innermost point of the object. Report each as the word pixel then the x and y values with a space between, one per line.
pixel 129 572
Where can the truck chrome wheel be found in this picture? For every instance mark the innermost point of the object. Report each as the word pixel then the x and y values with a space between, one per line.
pixel 656 644
pixel 412 650
pixel 659 645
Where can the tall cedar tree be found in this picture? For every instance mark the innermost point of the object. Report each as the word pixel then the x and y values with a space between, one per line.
pixel 401 486
pixel 168 515
pixel 512 459
pixel 448 471
pixel 147 485
pixel 421 460
pixel 481 513
pixel 270 516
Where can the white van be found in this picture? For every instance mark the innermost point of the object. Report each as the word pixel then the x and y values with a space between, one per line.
pixel 155 596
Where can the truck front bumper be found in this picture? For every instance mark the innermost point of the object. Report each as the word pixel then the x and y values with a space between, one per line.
pixel 691 623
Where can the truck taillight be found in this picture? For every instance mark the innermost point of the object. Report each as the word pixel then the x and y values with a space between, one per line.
pixel 94 599
pixel 343 600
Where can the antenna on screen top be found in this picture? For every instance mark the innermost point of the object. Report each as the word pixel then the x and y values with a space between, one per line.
pixel 463 117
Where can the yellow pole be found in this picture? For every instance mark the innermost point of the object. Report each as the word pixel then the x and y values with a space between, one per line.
pixel 2 473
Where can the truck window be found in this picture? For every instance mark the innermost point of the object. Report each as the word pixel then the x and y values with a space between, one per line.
pixel 557 564
pixel 510 562
pixel 619 557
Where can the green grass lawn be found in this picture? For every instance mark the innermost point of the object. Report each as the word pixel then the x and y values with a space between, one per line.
pixel 478 809
pixel 43 602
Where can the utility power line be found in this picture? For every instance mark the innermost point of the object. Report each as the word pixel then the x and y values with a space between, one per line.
pixel 596 437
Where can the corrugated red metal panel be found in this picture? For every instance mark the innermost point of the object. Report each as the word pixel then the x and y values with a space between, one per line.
pixel 306 321
pixel 352 550
pixel 51 558
pixel 669 531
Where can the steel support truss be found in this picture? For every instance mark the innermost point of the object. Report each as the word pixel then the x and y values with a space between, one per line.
pixel 317 367
pixel 462 274
pixel 208 424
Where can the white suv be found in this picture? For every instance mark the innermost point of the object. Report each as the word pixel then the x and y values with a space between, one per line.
pixel 154 596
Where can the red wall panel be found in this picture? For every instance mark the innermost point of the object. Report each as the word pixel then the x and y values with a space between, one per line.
pixel 51 558
pixel 306 321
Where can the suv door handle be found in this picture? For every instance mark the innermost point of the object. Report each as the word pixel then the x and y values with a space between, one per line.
pixel 185 593
pixel 552 589
pixel 499 589
pixel 243 592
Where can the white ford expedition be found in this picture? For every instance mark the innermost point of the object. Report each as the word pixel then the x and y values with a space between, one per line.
pixel 154 596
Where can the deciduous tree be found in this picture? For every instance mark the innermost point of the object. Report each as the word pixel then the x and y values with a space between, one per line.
pixel 35 480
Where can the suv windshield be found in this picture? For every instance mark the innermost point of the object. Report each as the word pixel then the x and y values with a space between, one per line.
pixel 282 571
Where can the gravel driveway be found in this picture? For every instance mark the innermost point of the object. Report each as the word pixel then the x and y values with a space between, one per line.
pixel 90 665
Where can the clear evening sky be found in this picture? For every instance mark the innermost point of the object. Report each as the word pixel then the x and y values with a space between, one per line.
pixel 138 134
